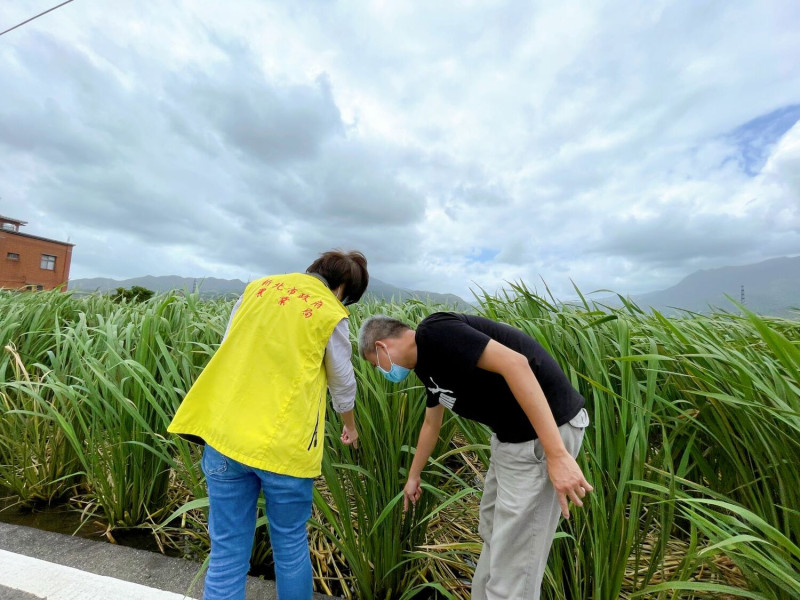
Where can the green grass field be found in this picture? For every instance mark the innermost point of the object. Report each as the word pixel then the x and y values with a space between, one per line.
pixel 693 448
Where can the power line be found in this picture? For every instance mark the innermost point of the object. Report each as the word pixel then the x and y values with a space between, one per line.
pixel 36 17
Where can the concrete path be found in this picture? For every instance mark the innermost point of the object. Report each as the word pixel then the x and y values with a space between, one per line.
pixel 41 565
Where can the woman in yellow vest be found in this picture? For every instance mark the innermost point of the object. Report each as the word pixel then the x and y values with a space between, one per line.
pixel 259 408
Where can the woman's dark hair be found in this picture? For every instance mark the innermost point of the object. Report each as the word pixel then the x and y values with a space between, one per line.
pixel 348 268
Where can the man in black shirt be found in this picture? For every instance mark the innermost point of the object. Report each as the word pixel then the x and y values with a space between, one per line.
pixel 497 375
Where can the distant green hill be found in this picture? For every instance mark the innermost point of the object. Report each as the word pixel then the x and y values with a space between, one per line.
pixel 211 287
pixel 384 291
pixel 771 287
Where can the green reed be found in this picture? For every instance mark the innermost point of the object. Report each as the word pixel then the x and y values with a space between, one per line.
pixel 108 378
pixel 692 447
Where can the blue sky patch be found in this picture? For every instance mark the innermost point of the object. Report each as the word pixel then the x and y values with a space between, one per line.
pixel 484 255
pixel 755 139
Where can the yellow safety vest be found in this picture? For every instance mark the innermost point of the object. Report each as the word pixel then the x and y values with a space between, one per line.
pixel 261 399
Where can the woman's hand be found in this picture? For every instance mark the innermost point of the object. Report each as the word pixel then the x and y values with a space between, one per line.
pixel 350 436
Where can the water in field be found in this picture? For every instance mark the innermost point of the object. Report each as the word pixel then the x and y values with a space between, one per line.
pixel 66 520
pixel 61 518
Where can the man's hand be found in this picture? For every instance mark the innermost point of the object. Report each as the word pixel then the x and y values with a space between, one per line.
pixel 568 480
pixel 412 492
pixel 350 436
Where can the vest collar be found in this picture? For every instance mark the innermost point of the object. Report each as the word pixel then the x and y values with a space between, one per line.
pixel 321 278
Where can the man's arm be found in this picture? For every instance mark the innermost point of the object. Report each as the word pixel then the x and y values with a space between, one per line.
pixel 428 436
pixel 564 472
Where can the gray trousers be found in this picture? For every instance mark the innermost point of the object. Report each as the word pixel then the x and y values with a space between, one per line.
pixel 518 518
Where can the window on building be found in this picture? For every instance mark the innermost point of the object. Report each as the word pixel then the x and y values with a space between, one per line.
pixel 48 262
pixel 12 256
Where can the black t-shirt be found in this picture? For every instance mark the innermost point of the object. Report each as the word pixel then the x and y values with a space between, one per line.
pixel 448 348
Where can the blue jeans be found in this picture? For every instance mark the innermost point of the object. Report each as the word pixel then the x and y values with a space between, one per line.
pixel 233 490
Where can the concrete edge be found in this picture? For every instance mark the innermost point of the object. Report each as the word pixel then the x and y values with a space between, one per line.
pixel 128 564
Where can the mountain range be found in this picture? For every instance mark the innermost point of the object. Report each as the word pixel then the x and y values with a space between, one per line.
pixel 771 287
pixel 211 287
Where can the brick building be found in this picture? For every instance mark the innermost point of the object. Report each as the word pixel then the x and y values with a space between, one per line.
pixel 30 262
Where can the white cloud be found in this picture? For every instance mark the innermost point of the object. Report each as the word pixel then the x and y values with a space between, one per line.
pixel 454 143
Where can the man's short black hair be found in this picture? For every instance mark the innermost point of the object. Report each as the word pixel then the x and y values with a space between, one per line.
pixel 378 327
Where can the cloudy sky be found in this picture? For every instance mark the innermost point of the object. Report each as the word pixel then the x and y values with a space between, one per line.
pixel 457 144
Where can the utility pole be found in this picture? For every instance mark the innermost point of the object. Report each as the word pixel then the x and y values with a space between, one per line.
pixel 741 297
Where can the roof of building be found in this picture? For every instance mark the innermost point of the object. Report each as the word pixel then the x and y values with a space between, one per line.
pixel 35 237
pixel 11 220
